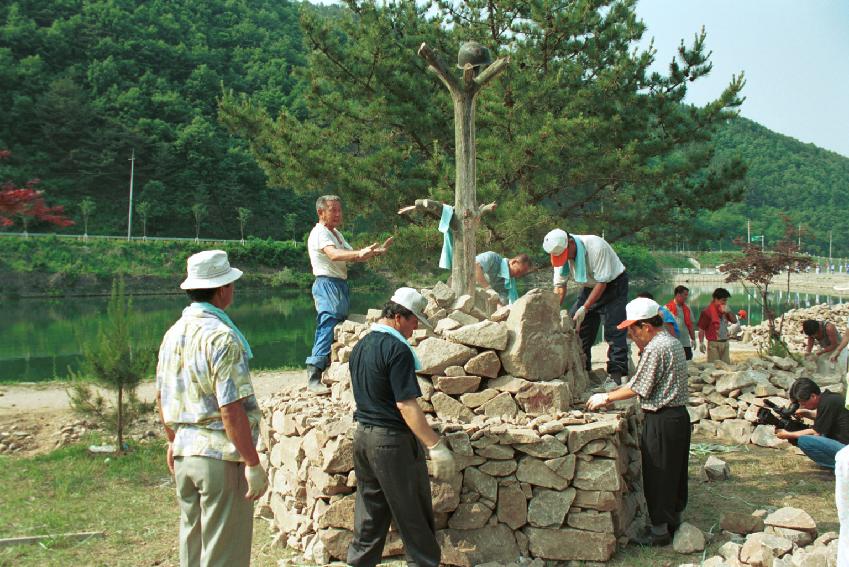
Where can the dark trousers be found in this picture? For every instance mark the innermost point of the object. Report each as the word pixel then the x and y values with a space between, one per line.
pixel 665 448
pixel 611 306
pixel 392 484
pixel 332 302
pixel 688 353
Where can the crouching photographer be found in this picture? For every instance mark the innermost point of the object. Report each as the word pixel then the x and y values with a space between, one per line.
pixel 830 431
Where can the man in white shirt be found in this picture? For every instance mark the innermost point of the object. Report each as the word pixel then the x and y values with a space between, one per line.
pixel 329 255
pixel 593 264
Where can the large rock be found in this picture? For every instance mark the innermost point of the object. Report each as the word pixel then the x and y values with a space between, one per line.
pixel 545 397
pixel 715 469
pixel 437 354
pixel 512 506
pixel 764 435
pixel 688 538
pixel 568 544
pixel 536 348
pixel 339 514
pixel 475 547
pixel 735 381
pixel 723 412
pixel 740 523
pixel 447 408
pixel 580 435
pixel 604 501
pixel 480 482
pixel 548 508
pixel 761 548
pixel 597 474
pixel 338 455
pixel 485 334
pixel 534 471
pixel 486 364
pixel 455 385
pixel 548 447
pixel 476 399
pixel 737 431
pixel 469 516
pixel 501 405
pixel 590 520
pixel 793 518
pixel 445 496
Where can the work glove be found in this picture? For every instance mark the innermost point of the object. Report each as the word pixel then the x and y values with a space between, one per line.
pixel 702 348
pixel 597 401
pixel 578 317
pixel 257 481
pixel 442 460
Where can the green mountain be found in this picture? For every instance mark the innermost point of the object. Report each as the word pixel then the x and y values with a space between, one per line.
pixel 806 183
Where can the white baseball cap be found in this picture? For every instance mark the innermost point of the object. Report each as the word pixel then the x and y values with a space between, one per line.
pixel 555 242
pixel 638 310
pixel 412 300
pixel 209 269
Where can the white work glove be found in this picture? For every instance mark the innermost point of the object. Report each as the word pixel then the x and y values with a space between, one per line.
pixel 257 481
pixel 702 348
pixel 442 461
pixel 578 317
pixel 597 401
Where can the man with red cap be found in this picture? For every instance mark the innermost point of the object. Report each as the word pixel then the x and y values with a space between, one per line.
pixel 593 264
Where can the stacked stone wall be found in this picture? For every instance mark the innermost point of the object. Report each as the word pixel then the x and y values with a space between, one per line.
pixel 535 477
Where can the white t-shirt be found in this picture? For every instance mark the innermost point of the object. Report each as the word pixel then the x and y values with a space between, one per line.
pixel 603 265
pixel 320 238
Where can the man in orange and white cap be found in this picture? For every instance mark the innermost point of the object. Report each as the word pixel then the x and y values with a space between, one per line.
pixel 593 264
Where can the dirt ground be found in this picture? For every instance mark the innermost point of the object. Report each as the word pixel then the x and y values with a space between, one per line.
pixel 42 410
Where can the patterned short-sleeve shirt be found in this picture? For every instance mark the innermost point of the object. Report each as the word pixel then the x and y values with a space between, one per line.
pixel 203 366
pixel 661 376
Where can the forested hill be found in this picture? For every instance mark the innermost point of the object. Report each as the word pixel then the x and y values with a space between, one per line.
pixel 86 83
pixel 785 176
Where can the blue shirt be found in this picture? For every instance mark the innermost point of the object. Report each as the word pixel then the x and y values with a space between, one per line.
pixel 668 317
pixel 490 263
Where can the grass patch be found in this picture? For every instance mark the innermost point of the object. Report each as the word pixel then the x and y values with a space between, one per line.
pixel 132 499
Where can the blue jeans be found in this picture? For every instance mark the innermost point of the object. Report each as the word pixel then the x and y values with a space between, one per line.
pixel 332 304
pixel 820 449
pixel 611 306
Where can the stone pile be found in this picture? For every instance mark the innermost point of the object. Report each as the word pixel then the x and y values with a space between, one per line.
pixel 557 486
pixel 536 479
pixel 15 440
pixel 792 329
pixel 784 538
pixel 725 399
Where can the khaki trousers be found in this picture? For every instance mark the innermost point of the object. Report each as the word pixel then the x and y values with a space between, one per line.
pixel 216 521
pixel 718 350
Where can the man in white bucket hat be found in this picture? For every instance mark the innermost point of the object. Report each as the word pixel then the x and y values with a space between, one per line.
pixel 390 439
pixel 593 264
pixel 211 418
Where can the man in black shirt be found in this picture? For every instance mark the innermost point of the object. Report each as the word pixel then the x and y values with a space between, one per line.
pixel 830 431
pixel 389 460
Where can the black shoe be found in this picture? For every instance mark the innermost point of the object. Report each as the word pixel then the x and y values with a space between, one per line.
pixel 314 384
pixel 616 377
pixel 650 539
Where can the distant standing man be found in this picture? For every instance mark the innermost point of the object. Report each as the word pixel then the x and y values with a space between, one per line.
pixel 593 264
pixel 494 271
pixel 329 255
pixel 211 417
pixel 660 381
pixel 713 327
pixel 389 441
pixel 679 309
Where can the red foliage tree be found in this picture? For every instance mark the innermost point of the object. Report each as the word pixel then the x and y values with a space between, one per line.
pixel 27 203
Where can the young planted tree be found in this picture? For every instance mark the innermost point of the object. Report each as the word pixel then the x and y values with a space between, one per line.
pixel 113 363
pixel 199 212
pixel 27 204
pixel 87 207
pixel 143 209
pixel 243 215
pixel 759 268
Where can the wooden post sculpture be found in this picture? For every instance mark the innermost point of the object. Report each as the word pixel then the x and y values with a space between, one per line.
pixel 472 56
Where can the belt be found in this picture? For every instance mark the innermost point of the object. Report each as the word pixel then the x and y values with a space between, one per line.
pixel 719 341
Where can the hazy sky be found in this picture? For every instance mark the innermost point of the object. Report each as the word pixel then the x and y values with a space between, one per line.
pixel 795 54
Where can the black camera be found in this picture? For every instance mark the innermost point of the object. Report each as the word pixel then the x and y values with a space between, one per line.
pixel 781 418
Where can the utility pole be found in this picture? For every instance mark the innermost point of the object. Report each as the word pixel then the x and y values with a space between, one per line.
pixel 748 230
pixel 132 161
pixel 829 250
pixel 799 245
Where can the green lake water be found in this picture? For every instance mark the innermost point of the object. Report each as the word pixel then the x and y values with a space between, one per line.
pixel 41 338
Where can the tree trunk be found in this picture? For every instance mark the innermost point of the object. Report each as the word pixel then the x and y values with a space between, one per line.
pixel 120 425
pixel 465 203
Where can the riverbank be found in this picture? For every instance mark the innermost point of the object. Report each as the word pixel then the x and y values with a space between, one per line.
pixel 823 284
